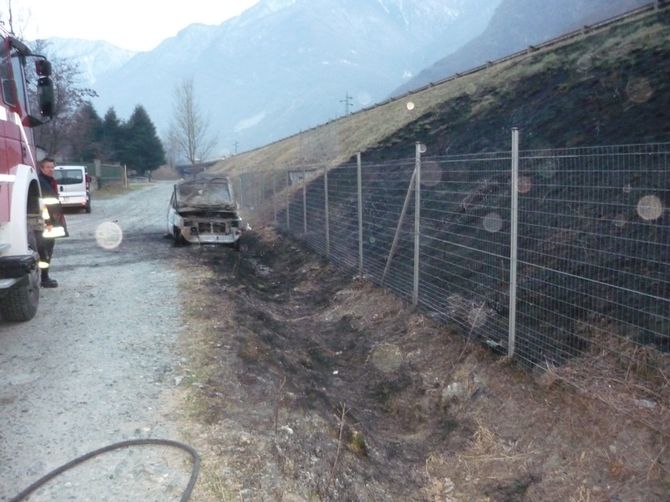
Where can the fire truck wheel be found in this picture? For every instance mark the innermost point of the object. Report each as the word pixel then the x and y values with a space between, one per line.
pixel 20 302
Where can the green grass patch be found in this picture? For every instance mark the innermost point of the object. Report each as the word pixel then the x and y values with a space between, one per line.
pixel 115 190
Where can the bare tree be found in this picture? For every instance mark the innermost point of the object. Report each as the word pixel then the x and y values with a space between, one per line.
pixel 190 127
pixel 54 136
pixel 170 143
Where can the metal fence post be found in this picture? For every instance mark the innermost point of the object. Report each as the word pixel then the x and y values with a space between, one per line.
pixel 260 195
pixel 304 201
pixel 288 199
pixel 359 190
pixel 514 231
pixel 274 200
pixel 396 237
pixel 417 221
pixel 325 191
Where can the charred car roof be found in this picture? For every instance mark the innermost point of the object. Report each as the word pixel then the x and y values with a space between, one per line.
pixel 211 193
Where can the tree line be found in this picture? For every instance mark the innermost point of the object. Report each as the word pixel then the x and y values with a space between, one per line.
pixel 83 137
pixel 78 133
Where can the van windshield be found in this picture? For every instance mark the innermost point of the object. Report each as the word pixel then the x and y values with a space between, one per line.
pixel 207 193
pixel 69 176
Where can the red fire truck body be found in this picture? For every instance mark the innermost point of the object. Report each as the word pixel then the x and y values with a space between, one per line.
pixel 21 205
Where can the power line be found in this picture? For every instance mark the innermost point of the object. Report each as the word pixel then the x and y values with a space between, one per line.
pixel 347 103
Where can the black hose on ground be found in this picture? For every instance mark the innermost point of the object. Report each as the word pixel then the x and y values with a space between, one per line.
pixel 123 444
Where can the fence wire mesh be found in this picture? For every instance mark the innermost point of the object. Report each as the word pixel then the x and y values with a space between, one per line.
pixel 592 287
pixel 594 242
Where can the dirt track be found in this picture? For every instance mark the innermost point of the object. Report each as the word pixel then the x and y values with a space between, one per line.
pixel 97 365
pixel 293 380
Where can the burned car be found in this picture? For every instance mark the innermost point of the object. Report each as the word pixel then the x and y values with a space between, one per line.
pixel 204 211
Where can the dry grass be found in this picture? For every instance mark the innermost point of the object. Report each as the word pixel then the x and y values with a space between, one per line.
pixel 487 447
pixel 216 487
pixel 630 378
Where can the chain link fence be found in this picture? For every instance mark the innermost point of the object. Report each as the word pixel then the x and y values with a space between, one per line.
pixel 556 258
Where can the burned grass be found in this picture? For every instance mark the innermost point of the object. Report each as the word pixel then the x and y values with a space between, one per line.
pixel 308 384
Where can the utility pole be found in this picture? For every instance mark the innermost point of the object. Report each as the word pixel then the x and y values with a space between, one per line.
pixel 11 18
pixel 347 103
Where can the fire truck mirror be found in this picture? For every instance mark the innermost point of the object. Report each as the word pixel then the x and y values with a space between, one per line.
pixel 43 68
pixel 45 89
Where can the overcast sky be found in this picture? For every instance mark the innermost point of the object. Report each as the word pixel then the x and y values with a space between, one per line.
pixel 138 25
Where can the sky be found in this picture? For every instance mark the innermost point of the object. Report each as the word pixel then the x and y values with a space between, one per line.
pixel 138 25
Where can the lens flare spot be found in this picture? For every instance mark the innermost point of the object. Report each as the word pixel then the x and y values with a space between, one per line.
pixel 547 170
pixel 585 63
pixel 477 317
pixel 619 220
pixel 410 105
pixel 639 90
pixel 492 222
pixel 387 357
pixel 431 174
pixel 650 207
pixel 108 235
pixel 627 188
pixel 525 184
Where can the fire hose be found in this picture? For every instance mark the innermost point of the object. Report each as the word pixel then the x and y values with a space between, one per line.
pixel 123 444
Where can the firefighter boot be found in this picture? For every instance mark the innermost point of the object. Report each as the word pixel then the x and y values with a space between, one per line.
pixel 48 282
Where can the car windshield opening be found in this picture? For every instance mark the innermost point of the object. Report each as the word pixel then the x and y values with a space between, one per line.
pixel 213 194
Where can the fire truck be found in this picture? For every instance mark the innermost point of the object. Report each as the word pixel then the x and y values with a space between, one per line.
pixel 22 209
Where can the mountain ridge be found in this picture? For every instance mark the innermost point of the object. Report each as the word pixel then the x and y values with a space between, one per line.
pixel 530 27
pixel 271 72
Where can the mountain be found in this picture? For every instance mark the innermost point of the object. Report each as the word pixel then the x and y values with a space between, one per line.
pixel 95 58
pixel 517 24
pixel 283 66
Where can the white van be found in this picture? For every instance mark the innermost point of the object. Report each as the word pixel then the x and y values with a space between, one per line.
pixel 74 186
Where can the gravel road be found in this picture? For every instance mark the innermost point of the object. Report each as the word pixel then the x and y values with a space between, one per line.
pixel 98 363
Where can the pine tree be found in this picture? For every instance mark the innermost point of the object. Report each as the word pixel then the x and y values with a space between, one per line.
pixel 141 148
pixel 110 142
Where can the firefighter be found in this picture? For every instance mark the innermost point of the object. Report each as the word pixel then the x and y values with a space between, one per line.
pixel 45 245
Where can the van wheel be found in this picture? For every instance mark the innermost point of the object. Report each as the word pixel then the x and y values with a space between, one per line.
pixel 20 302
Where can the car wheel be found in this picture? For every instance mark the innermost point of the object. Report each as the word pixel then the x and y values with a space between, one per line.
pixel 20 302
